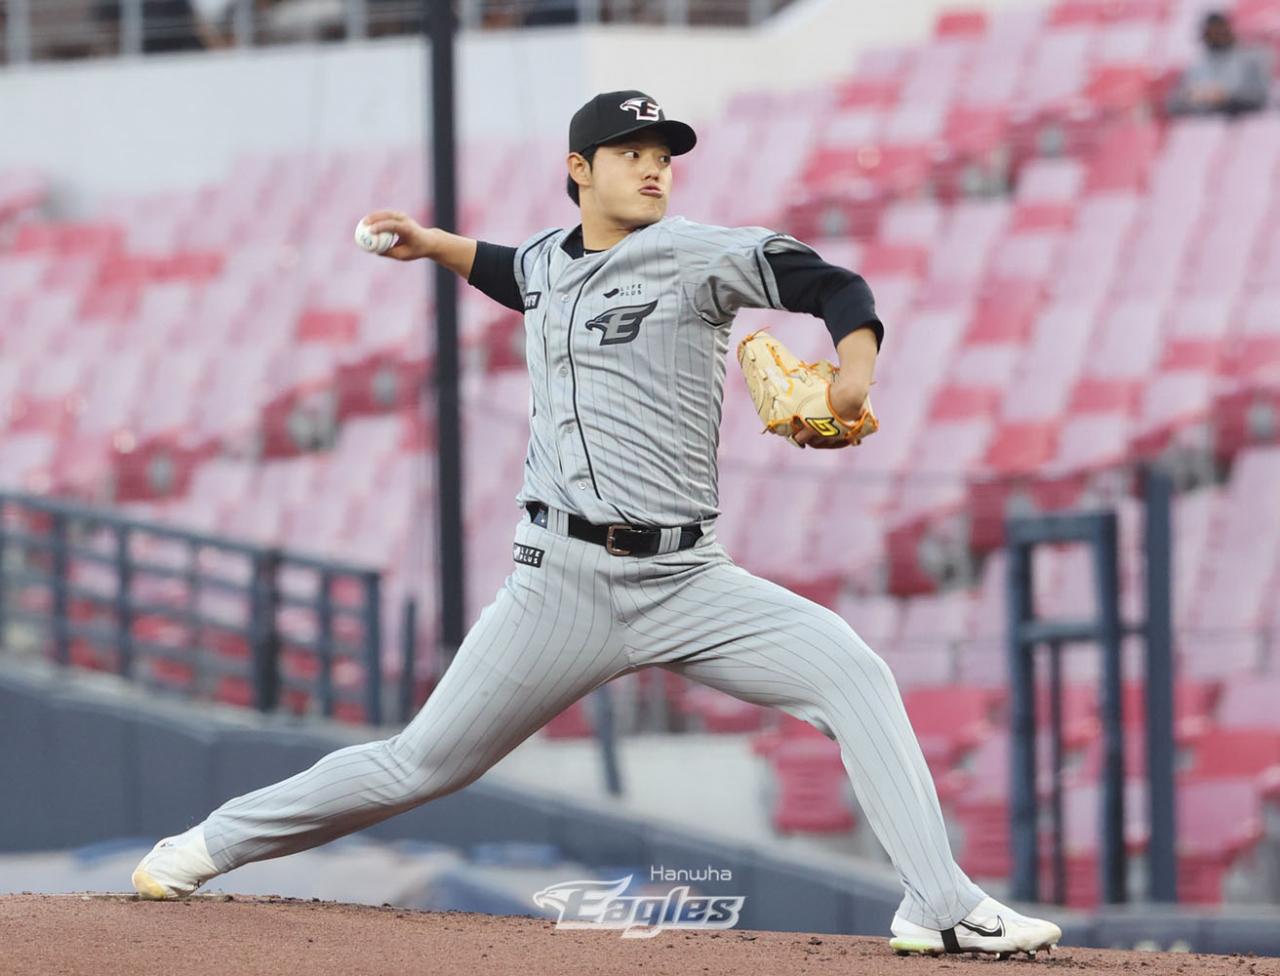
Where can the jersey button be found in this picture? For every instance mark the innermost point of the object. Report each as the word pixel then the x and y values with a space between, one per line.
pixel 582 486
pixel 564 296
pixel 564 370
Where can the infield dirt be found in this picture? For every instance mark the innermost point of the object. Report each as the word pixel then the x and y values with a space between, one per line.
pixel 227 935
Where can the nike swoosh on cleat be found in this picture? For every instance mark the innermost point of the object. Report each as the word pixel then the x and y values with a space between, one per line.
pixel 994 933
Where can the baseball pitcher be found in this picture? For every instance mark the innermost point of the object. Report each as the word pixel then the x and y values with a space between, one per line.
pixel 616 564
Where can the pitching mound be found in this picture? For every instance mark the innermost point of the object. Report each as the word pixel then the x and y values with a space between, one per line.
pixel 219 935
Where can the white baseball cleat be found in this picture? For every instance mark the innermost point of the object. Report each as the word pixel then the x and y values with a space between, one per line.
pixel 990 928
pixel 175 867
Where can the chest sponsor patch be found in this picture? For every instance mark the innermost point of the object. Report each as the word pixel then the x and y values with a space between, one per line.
pixel 531 299
pixel 621 324
pixel 625 291
pixel 529 555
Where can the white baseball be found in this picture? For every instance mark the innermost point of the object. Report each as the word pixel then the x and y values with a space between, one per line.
pixel 377 243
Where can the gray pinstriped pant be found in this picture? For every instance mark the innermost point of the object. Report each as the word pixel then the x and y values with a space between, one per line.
pixel 561 630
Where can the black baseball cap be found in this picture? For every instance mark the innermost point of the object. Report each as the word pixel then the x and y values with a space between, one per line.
pixel 616 114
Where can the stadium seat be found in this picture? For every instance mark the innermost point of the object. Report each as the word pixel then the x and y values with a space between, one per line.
pixel 1249 703
pixel 812 784
pixel 951 719
pixel 1225 753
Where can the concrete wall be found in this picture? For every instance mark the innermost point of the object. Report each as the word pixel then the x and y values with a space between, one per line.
pixel 126 126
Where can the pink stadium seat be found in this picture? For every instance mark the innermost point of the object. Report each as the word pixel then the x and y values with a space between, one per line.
pixel 1218 821
pixel 1232 591
pixel 988 367
pixel 911 222
pixel 1031 254
pixel 68 238
pixel 932 626
pixel 1086 445
pixel 876 619
pixel 960 23
pixel 1171 401
pixel 812 783
pixel 893 259
pixel 1124 158
pixel 1006 312
pixel 961 253
pixel 1250 703
pixel 951 719
pixel 1047 371
pixel 1248 404
pixel 1020 448
pixel 1049 183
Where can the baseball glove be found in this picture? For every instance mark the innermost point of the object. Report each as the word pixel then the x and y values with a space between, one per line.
pixel 790 395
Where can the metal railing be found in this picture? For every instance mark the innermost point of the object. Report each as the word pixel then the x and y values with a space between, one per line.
pixel 1098 530
pixel 198 614
pixel 36 30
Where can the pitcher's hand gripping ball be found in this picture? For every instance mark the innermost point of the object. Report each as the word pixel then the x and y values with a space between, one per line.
pixel 791 395
pixel 377 243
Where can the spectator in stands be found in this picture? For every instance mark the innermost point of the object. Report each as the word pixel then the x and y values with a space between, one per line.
pixel 167 25
pixel 1229 79
pixel 61 30
pixel 551 13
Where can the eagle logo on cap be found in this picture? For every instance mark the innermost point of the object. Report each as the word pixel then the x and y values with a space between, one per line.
pixel 646 109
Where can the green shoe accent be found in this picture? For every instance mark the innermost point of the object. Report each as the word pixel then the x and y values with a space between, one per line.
pixel 905 946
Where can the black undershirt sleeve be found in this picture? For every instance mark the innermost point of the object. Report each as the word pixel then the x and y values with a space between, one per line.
pixel 494 273
pixel 842 299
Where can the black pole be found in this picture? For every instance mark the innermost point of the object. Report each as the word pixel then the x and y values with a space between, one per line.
pixel 61 600
pixel 607 734
pixel 371 585
pixel 408 657
pixel 1022 716
pixel 1162 860
pixel 1055 727
pixel 440 25
pixel 1107 580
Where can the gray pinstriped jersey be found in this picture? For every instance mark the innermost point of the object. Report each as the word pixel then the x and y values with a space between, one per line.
pixel 626 351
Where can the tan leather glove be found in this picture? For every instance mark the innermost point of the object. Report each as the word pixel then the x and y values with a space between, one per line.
pixel 790 395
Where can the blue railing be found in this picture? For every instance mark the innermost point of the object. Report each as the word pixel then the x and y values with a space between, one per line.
pixel 199 614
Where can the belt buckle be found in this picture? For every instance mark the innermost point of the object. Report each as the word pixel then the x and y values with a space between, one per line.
pixel 608 541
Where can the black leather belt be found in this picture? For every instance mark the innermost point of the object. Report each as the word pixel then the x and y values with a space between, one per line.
pixel 620 540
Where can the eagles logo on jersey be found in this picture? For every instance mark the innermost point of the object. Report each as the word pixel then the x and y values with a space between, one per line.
pixel 620 324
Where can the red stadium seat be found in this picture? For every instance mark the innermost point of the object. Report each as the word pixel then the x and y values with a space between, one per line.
pixel 1225 753
pixel 1006 312
pixel 1043 216
pixel 1218 821
pixel 812 783
pixel 573 723
pixel 951 719
pixel 1124 158
pixel 960 23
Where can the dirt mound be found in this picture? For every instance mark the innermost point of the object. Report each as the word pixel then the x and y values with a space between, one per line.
pixel 232 936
